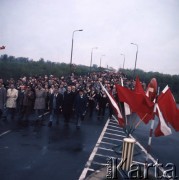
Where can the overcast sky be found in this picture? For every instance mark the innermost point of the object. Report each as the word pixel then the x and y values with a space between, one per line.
pixel 43 29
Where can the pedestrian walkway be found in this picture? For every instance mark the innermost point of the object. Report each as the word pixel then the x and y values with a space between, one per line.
pixel 111 137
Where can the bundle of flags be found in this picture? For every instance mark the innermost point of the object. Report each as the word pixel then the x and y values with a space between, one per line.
pixel 148 104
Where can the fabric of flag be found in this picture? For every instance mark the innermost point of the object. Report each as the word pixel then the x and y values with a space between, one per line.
pixel 138 102
pixel 168 107
pixel 162 128
pixel 152 89
pixel 145 117
pixel 115 106
pixel 2 47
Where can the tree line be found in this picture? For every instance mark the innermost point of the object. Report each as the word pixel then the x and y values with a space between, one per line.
pixel 16 67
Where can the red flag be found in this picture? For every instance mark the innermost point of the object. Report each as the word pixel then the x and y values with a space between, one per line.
pixel 146 117
pixel 115 106
pixel 138 102
pixel 162 129
pixel 169 108
pixel 138 87
pixel 152 89
pixel 2 47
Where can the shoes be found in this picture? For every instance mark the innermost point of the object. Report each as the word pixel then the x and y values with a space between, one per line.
pixel 50 124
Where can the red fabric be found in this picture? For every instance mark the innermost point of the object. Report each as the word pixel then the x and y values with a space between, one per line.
pixel 146 117
pixel 169 108
pixel 152 89
pixel 137 101
pixel 115 107
pixel 162 128
pixel 158 131
pixel 2 47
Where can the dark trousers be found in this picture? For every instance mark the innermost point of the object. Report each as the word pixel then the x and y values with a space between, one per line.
pixel 91 108
pixel 25 112
pixel 0 113
pixel 11 113
pixel 101 111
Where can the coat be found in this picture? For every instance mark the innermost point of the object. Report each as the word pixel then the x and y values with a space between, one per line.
pixel 40 95
pixel 12 95
pixel 58 104
pixel 68 100
pixel 28 99
pixel 2 97
pixel 80 104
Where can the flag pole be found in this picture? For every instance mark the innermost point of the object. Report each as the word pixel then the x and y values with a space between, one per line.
pixel 150 135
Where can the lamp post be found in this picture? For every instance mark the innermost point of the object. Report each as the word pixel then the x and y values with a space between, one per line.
pixel 72 49
pixel 124 59
pixel 101 60
pixel 92 57
pixel 135 58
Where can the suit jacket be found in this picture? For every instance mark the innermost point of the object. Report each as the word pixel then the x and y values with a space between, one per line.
pixel 80 104
pixel 2 97
pixel 58 101
pixel 68 101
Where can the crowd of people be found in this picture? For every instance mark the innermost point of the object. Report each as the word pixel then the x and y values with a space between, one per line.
pixel 71 96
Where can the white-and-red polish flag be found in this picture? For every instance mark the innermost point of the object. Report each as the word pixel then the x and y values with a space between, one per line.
pixel 127 109
pixel 115 106
pixel 168 107
pixel 162 128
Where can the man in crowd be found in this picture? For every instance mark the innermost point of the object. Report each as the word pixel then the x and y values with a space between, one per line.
pixel 80 106
pixel 39 105
pixel 68 101
pixel 12 95
pixel 55 105
pixel 27 104
pixel 2 98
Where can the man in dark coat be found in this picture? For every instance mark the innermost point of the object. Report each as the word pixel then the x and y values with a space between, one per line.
pixel 2 98
pixel 55 106
pixel 27 104
pixel 80 106
pixel 67 107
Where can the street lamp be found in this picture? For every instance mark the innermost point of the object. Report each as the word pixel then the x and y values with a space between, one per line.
pixel 101 59
pixel 135 58
pixel 124 59
pixel 72 49
pixel 92 57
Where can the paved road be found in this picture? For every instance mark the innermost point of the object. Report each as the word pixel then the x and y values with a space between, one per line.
pixel 40 152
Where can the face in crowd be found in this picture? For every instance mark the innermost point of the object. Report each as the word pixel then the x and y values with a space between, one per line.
pixel 69 88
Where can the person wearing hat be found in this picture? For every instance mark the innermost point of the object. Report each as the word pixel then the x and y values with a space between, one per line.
pixel 80 106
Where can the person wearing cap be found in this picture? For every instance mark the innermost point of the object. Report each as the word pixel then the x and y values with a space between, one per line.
pixel 80 106
pixel 55 106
